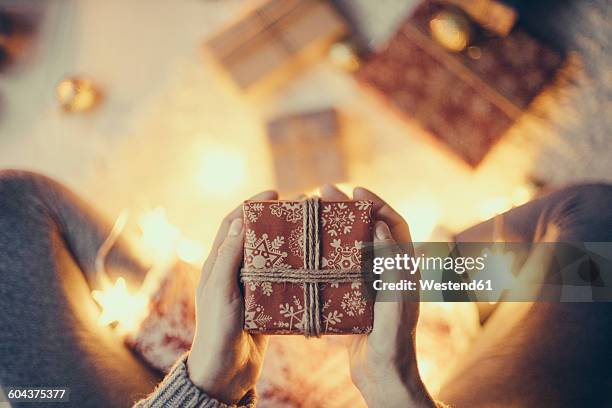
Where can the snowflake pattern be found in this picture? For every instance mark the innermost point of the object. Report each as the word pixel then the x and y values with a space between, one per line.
pixel 331 319
pixel 290 211
pixel 337 219
pixel 294 313
pixel 296 242
pixel 361 330
pixel 252 211
pixel 343 256
pixel 254 316
pixel 262 253
pixel 354 285
pixel 365 217
pixel 266 287
pixel 353 303
pixel 363 205
pixel 366 211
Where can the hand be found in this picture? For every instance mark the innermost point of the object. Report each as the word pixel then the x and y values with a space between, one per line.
pixel 383 363
pixel 225 361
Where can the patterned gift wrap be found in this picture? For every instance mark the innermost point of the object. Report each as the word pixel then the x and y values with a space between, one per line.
pixel 303 267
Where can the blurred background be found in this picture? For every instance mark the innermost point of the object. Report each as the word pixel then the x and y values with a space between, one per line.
pixel 177 111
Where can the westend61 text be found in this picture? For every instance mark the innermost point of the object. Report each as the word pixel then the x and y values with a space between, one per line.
pixel 433 285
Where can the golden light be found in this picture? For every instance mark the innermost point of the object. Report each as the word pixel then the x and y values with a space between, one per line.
pixel 426 368
pixel 121 306
pixel 422 216
pixel 159 237
pixel 494 206
pixel 191 251
pixel 500 204
pixel 163 243
pixel 346 188
pixel 521 195
pixel 221 171
pixel 77 94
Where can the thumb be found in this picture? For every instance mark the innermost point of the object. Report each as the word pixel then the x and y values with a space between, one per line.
pixel 387 311
pixel 229 259
pixel 385 247
pixel 382 233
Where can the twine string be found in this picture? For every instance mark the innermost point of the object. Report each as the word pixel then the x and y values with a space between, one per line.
pixel 303 275
pixel 311 323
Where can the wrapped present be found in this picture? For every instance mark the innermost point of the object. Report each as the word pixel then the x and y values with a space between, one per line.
pixel 167 331
pixel 307 150
pixel 304 267
pixel 466 99
pixel 275 39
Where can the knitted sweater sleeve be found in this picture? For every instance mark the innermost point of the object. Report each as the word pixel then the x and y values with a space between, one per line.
pixel 177 390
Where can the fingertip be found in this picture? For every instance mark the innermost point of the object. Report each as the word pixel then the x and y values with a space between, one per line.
pixel 235 227
pixel 328 188
pixel 332 192
pixel 382 231
pixel 359 192
pixel 232 246
pixel 362 193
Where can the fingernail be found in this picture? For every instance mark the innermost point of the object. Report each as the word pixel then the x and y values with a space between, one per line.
pixel 235 227
pixel 382 231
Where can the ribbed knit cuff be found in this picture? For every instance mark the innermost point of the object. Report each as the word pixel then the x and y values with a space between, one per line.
pixel 177 390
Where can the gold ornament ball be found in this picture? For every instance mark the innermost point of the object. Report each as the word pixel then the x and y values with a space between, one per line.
pixel 77 94
pixel 451 29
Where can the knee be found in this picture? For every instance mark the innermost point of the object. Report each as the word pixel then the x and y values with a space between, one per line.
pixel 22 180
pixel 583 212
pixel 19 188
pixel 588 193
pixel 589 199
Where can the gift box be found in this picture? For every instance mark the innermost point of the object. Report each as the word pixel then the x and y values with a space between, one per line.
pixel 466 99
pixel 304 267
pixel 278 37
pixel 306 150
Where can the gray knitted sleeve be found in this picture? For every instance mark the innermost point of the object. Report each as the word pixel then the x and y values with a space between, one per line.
pixel 177 390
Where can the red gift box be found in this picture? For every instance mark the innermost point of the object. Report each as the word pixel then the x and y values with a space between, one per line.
pixel 303 267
